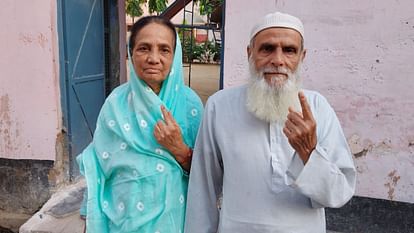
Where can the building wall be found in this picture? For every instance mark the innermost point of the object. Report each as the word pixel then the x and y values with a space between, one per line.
pixel 29 89
pixel 34 153
pixel 359 56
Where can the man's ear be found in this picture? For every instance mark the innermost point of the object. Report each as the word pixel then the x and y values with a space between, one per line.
pixel 248 51
pixel 303 55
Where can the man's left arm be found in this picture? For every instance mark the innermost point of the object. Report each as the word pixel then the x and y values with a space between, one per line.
pixel 328 174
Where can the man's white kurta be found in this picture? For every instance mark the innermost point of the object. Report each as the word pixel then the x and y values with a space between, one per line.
pixel 264 185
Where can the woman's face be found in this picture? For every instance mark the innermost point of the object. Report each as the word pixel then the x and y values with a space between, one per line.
pixel 153 54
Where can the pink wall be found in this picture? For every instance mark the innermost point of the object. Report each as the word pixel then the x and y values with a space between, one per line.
pixel 360 56
pixel 29 81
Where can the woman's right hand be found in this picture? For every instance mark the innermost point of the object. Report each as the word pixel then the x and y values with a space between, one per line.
pixel 168 134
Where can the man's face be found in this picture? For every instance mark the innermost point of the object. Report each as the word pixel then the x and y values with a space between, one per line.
pixel 276 50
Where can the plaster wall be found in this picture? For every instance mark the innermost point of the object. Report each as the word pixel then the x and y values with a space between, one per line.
pixel 29 81
pixel 359 56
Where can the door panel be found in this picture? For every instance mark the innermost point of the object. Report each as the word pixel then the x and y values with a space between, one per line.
pixel 81 43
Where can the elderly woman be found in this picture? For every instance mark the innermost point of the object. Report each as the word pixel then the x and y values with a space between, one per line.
pixel 135 166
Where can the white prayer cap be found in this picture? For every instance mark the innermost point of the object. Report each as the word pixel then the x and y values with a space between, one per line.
pixel 278 19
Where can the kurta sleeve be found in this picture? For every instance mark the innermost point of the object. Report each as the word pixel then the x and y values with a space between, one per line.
pixel 329 176
pixel 206 178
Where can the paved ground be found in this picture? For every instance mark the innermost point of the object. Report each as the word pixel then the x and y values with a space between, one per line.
pixel 205 79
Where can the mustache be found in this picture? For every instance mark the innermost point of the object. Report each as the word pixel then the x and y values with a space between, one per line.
pixel 279 69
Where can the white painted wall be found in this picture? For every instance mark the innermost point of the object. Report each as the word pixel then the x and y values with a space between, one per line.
pixel 29 81
pixel 360 56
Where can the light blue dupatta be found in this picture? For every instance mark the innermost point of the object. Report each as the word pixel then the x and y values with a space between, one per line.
pixel 134 184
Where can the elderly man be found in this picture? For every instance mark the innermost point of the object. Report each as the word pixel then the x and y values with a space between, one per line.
pixel 276 153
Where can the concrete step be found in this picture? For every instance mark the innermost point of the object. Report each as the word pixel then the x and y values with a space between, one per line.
pixel 60 214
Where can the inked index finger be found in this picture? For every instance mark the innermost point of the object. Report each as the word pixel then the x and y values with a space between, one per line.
pixel 306 111
pixel 167 116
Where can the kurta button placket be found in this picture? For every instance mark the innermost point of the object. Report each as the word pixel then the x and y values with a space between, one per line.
pixel 272 135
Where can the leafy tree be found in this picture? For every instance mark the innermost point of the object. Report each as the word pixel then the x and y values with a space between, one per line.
pixel 134 7
pixel 157 6
pixel 208 6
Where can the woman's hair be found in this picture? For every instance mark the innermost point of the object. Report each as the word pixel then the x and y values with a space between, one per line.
pixel 144 21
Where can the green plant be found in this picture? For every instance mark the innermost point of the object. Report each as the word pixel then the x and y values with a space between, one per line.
pixel 134 7
pixel 216 50
pixel 208 6
pixel 211 52
pixel 205 52
pixel 190 52
pixel 157 6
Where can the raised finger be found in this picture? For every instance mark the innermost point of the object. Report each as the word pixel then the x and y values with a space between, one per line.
pixel 306 111
pixel 167 116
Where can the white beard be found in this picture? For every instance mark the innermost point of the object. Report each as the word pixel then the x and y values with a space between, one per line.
pixel 270 102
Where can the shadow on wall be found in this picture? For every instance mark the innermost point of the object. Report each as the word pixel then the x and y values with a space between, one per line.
pixel 3 230
pixel 362 214
pixel 25 187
